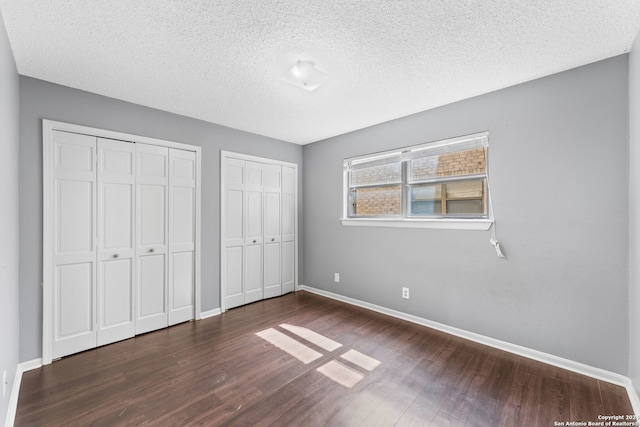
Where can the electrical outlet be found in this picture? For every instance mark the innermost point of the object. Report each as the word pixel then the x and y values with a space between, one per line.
pixel 336 277
pixel 405 293
pixel 4 383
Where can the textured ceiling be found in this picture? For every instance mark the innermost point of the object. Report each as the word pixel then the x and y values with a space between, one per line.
pixel 223 61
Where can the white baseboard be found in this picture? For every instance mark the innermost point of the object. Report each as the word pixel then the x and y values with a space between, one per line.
pixel 580 368
pixel 633 397
pixel 210 313
pixel 15 390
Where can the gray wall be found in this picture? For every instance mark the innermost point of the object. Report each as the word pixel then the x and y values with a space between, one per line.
pixel 9 144
pixel 39 99
pixel 634 215
pixel 559 182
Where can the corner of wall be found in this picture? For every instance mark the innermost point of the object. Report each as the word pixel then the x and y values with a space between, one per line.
pixel 9 220
pixel 634 215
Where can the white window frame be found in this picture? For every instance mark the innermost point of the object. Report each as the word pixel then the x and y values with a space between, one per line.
pixel 405 221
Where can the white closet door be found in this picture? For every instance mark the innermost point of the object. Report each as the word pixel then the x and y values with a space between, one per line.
pixel 182 187
pixel 288 229
pixel 116 201
pixel 253 236
pixel 152 233
pixel 272 230
pixel 74 256
pixel 233 233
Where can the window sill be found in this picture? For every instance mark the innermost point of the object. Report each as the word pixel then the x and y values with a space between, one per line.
pixel 438 224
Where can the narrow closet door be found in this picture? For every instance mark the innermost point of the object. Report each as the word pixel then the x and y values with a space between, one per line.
pixel 288 229
pixel 253 238
pixel 74 256
pixel 233 233
pixel 151 230
pixel 116 201
pixel 272 236
pixel 182 205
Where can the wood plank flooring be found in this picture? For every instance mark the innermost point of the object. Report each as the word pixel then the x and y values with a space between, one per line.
pixel 218 372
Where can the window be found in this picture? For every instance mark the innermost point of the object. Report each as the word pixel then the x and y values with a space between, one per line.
pixel 441 182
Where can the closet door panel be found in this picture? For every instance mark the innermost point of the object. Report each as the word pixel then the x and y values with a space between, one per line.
pixel 182 279
pixel 233 233
pixel 272 230
pixel 288 217
pixel 288 243
pixel 254 217
pixel 182 186
pixel 152 237
pixel 288 228
pixel 116 293
pixel 152 296
pixel 116 200
pixel 272 283
pixel 75 217
pixel 234 274
pixel 75 299
pixel 74 252
pixel 254 175
pixel 115 301
pixel 152 202
pixel 253 273
pixel 74 329
pixel 116 208
pixel 288 267
pixel 272 177
pixel 272 216
pixel 182 216
pixel 234 210
pixel 272 238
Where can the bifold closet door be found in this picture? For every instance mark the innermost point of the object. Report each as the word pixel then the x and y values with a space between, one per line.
pixel 272 230
pixel 258 224
pixel 152 180
pixel 233 244
pixel 253 218
pixel 74 256
pixel 288 229
pixel 182 206
pixel 115 219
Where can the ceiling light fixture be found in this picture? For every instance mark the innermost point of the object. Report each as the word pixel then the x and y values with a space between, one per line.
pixel 304 74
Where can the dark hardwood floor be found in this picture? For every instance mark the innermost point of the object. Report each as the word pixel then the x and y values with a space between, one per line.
pixel 219 372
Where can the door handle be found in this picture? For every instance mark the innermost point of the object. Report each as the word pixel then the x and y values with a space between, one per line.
pixel 273 239
pixel 152 250
pixel 254 241
pixel 116 255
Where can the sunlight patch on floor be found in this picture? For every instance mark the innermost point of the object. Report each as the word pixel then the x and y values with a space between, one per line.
pixel 333 369
pixel 340 373
pixel 290 345
pixel 362 360
pixel 313 337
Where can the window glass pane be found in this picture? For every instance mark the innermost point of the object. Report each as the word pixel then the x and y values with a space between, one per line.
pixel 465 189
pixel 464 207
pixel 376 175
pixel 376 200
pixel 425 199
pixel 462 198
pixel 458 163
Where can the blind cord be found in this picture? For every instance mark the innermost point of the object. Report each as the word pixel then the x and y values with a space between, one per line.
pixel 493 239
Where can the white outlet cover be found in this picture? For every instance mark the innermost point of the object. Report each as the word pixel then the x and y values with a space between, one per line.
pixel 336 277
